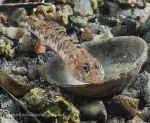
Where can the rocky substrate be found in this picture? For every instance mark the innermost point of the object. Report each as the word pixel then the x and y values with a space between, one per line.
pixel 84 20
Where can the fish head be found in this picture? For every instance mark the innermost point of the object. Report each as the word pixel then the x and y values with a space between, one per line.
pixel 84 67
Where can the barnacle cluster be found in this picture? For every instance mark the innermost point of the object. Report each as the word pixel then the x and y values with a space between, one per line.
pixel 13 78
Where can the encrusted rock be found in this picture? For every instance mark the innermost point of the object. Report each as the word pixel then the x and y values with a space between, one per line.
pixel 139 87
pixel 79 20
pixel 52 105
pixel 83 8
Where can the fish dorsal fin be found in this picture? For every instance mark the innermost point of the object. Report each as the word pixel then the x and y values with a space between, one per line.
pixel 53 70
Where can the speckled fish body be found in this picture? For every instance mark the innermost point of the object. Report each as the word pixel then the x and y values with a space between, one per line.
pixel 82 65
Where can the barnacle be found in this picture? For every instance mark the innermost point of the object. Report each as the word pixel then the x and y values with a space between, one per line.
pixel 128 105
pixel 6 47
pixel 52 106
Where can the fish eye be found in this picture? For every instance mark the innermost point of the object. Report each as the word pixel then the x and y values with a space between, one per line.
pixel 86 67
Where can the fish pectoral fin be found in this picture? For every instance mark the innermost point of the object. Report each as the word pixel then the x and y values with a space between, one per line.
pixel 54 71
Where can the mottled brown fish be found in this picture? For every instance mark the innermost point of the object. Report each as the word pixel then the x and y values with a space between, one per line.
pixel 80 63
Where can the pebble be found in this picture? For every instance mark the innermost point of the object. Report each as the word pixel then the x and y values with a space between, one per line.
pixel 21 12
pixel 146 66
pixel 126 27
pixel 69 10
pixel 136 120
pixel 86 34
pixel 105 8
pixel 32 70
pixel 94 4
pixel 94 27
pixel 144 28
pixel 132 26
pixel 61 1
pixel 146 36
pixel 116 120
pixel 93 109
pixel 120 30
pixel 79 20
pixel 104 29
pixel 71 29
pixel 140 3
pixel 116 10
pixel 26 42
pixel 89 122
pixel 131 3
pixel 14 32
pixel 103 36
pixel 83 8
pixel 140 14
pixel 148 52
